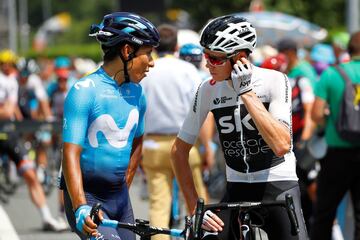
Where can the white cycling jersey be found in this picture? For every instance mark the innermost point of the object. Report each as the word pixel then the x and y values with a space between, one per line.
pixel 248 157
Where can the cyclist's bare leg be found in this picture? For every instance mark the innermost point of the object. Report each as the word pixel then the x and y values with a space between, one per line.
pixel 36 192
pixel 38 198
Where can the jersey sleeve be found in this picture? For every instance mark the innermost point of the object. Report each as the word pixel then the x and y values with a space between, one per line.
pixel 307 93
pixel 280 103
pixel 142 109
pixel 321 89
pixel 13 89
pixel 36 85
pixel 77 108
pixel 196 116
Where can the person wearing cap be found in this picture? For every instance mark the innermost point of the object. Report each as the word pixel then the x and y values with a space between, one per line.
pixel 340 166
pixel 296 67
pixel 169 88
pixel 103 127
pixel 252 110
pixel 62 69
pixel 302 98
pixel 339 43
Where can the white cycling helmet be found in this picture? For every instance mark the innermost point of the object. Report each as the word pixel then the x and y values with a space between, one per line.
pixel 228 34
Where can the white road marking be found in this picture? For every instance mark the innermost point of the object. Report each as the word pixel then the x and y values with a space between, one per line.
pixel 7 230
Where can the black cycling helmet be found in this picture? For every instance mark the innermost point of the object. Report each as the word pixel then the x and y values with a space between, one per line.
pixel 228 34
pixel 124 27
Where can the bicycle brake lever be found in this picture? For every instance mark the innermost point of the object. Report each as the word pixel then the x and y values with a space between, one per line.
pixel 290 207
pixel 198 217
pixel 94 213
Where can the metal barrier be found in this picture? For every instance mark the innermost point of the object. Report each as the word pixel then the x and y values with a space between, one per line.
pixel 29 126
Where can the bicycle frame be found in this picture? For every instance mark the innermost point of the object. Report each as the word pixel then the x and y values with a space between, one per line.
pixel 246 207
pixel 141 227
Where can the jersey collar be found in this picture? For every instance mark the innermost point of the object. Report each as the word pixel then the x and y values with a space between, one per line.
pixel 106 78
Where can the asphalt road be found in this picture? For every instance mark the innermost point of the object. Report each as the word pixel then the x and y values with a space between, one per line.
pixel 26 221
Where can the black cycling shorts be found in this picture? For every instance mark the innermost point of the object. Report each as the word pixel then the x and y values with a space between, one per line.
pixel 115 206
pixel 16 152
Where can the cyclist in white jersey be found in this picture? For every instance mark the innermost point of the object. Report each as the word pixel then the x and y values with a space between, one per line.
pixel 252 110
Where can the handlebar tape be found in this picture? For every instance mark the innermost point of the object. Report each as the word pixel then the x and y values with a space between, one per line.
pixel 290 207
pixel 198 217
pixel 94 213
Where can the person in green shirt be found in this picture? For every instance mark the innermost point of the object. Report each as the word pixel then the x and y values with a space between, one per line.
pixel 340 167
pixel 296 67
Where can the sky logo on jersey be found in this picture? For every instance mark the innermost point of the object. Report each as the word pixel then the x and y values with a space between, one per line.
pixel 84 84
pixel 115 136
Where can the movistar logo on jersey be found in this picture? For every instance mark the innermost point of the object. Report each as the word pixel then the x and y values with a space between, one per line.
pixel 84 84
pixel 115 136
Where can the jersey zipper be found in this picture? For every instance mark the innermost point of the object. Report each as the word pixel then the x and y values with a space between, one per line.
pixel 237 115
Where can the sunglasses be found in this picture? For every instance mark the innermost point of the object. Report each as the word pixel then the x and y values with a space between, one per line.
pixel 217 61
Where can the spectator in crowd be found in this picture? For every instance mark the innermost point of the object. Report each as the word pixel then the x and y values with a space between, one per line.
pixel 62 68
pixel 296 67
pixel 302 130
pixel 339 43
pixel 193 54
pixel 169 88
pixel 9 145
pixel 321 57
pixel 340 167
pixel 60 92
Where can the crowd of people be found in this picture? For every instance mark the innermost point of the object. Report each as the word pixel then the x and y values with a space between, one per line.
pixel 155 105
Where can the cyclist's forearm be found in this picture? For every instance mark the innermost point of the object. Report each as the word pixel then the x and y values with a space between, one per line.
pixel 72 174
pixel 45 109
pixel 134 159
pixel 309 125
pixel 180 163
pixel 274 133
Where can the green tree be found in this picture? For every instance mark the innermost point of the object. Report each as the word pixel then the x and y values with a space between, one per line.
pixel 325 13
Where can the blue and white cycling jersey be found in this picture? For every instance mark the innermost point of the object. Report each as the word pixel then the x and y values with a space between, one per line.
pixel 104 118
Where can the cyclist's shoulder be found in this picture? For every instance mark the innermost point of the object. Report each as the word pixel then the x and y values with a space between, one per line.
pixel 87 85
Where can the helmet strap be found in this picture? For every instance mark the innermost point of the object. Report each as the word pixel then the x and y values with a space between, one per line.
pixel 131 56
pixel 126 73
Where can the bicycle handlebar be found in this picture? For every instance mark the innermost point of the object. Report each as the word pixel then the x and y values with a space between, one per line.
pixel 140 227
pixel 144 230
pixel 288 204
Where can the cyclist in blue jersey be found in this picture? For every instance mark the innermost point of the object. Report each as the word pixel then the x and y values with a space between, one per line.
pixel 104 124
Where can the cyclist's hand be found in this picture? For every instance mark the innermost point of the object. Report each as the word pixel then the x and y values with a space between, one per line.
pixel 211 222
pixel 83 221
pixel 241 76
